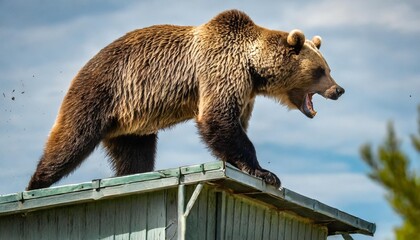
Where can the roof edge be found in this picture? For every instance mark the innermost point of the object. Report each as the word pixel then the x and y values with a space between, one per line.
pixel 218 172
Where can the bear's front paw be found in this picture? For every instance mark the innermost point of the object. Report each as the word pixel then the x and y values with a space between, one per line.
pixel 268 177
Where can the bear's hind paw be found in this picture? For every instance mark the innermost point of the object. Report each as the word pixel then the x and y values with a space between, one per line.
pixel 268 177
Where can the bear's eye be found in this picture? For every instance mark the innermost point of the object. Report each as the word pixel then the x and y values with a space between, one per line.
pixel 319 72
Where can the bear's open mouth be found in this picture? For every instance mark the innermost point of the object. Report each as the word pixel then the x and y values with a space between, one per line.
pixel 307 106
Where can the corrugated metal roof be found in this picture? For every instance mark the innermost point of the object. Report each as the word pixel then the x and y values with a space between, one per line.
pixel 216 173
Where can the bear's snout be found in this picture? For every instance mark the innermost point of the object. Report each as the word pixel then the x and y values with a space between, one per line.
pixel 334 92
pixel 339 91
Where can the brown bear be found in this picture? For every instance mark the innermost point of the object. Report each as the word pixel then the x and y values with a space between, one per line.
pixel 153 78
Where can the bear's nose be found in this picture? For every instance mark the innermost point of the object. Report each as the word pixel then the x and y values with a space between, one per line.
pixel 339 90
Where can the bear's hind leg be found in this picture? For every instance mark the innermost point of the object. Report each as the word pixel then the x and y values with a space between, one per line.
pixel 131 154
pixel 66 148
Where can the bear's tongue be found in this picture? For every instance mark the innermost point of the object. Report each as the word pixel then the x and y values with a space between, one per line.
pixel 308 108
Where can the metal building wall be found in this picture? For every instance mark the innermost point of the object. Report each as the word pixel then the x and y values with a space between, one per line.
pixel 142 216
pixel 242 219
pixel 217 214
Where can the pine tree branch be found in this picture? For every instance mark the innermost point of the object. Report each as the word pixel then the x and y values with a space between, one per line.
pixel 390 168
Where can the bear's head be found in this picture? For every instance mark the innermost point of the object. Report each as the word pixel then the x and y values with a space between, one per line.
pixel 293 69
pixel 312 75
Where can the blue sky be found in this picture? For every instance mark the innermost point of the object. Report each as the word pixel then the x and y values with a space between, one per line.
pixel 371 46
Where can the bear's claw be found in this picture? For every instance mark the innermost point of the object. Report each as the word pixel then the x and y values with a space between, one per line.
pixel 268 177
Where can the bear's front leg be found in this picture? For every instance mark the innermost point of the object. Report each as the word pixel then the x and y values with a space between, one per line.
pixel 221 129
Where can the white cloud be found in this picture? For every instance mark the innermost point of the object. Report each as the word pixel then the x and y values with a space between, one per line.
pixel 394 15
pixel 335 189
pixel 338 127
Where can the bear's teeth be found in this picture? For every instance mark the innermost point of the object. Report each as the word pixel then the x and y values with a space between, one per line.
pixel 308 106
pixel 310 103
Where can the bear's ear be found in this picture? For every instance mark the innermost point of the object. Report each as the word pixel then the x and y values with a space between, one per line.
pixel 317 40
pixel 296 38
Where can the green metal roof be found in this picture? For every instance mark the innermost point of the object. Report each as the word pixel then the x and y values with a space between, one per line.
pixel 215 173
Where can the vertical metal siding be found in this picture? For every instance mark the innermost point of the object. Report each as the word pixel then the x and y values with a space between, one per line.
pixel 153 216
pixel 201 222
pixel 171 214
pixel 243 219
pixel 134 217
pixel 138 224
pixel 156 216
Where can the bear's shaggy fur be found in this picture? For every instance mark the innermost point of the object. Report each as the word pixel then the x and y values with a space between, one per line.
pixel 153 78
